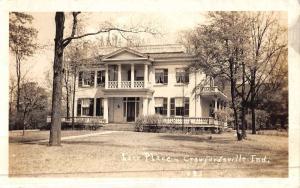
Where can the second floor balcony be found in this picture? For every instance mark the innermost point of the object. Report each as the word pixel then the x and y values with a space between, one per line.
pixel 212 91
pixel 125 84
pixel 116 76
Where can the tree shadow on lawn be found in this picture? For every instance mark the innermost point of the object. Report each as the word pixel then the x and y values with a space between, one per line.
pixel 213 140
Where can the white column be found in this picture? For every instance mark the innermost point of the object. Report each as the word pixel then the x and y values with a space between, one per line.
pixel 106 76
pixel 95 79
pixel 145 76
pixel 145 106
pixel 105 109
pixel 132 76
pixel 168 107
pixel 119 75
pixel 216 107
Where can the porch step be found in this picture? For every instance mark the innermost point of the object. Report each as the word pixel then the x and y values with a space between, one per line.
pixel 119 127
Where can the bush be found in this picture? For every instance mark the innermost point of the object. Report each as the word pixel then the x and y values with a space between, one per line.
pixel 221 115
pixel 261 119
pixel 149 121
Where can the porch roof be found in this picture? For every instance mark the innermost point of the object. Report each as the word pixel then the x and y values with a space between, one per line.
pixel 128 93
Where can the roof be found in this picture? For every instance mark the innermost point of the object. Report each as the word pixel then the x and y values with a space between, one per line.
pixel 94 55
pixel 148 49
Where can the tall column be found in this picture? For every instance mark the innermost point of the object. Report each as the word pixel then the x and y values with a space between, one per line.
pixel 216 107
pixel 145 76
pixel 119 75
pixel 106 76
pixel 105 109
pixel 132 76
pixel 151 106
pixel 145 106
pixel 95 79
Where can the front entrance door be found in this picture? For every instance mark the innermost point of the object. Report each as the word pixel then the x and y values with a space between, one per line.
pixel 130 111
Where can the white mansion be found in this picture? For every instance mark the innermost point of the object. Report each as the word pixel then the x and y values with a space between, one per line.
pixel 123 83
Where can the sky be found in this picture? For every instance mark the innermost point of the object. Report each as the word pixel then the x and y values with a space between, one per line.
pixel 168 24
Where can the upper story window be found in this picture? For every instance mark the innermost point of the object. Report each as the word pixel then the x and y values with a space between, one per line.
pixel 101 78
pixel 86 78
pixel 182 76
pixel 161 76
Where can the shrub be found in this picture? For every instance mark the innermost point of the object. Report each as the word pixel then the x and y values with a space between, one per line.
pixel 147 121
pixel 261 118
pixel 221 115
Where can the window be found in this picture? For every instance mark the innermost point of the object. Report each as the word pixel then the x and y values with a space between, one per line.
pixel 161 76
pixel 179 106
pixel 161 105
pixel 182 76
pixel 101 78
pixel 85 107
pixel 86 78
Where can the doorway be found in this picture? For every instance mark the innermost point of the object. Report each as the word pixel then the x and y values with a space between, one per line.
pixel 130 111
pixel 131 108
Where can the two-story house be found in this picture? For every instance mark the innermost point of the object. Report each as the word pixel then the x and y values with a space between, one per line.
pixel 120 84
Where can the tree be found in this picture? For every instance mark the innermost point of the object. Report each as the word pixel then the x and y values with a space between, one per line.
pixel 33 99
pixel 220 47
pixel 268 42
pixel 60 44
pixel 21 43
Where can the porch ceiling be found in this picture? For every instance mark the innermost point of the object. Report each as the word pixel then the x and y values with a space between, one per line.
pixel 213 95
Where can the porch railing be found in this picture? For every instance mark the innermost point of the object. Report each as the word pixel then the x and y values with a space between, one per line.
pixel 83 120
pixel 112 84
pixel 138 84
pixel 125 84
pixel 192 121
pixel 210 89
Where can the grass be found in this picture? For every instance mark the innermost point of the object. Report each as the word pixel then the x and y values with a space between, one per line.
pixel 129 154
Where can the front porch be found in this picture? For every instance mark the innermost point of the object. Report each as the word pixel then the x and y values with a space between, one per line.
pixel 167 122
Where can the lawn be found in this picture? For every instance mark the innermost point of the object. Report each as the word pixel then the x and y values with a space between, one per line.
pixel 134 154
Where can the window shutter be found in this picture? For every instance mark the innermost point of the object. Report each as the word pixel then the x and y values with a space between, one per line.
pixel 165 105
pixel 165 76
pixel 186 106
pixel 91 110
pixel 98 77
pixel 79 107
pixel 99 108
pixel 92 83
pixel 172 106
pixel 80 79
pixel 187 77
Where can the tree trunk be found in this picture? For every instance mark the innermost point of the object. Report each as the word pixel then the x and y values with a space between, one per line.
pixel 18 71
pixel 73 100
pixel 233 98
pixel 252 100
pixel 23 122
pixel 68 104
pixel 243 105
pixel 55 132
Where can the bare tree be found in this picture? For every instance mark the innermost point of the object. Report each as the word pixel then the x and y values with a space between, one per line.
pixel 268 43
pixel 21 43
pixel 60 44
